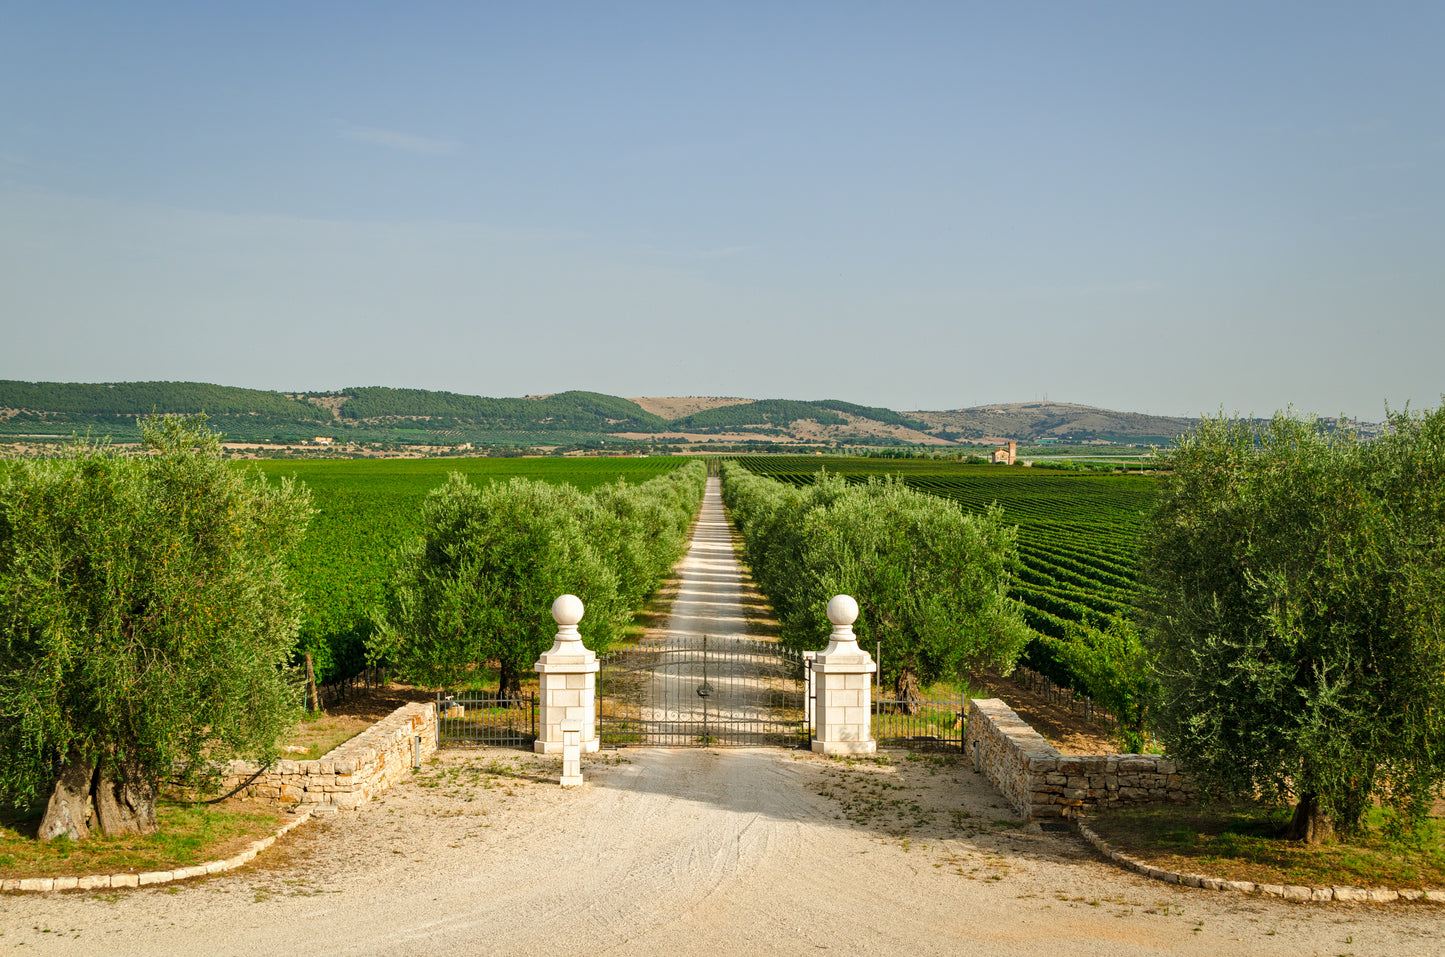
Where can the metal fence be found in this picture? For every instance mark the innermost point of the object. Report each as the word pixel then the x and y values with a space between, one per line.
pixel 338 691
pixel 932 725
pixel 1063 696
pixel 477 719
pixel 692 691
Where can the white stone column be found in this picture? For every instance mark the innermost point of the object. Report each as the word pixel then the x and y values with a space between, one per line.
pixel 571 753
pixel 843 684
pixel 568 675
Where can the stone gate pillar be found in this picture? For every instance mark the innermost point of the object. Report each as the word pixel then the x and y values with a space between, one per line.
pixel 568 676
pixel 843 684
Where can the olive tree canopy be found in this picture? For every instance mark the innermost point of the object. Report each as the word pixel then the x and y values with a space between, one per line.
pixel 479 583
pixel 1296 581
pixel 145 622
pixel 931 581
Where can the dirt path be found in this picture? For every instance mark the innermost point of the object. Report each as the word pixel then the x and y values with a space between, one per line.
pixel 741 851
pixel 709 598
pixel 655 689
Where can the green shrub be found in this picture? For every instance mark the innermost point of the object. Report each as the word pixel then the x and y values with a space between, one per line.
pixel 931 582
pixel 479 584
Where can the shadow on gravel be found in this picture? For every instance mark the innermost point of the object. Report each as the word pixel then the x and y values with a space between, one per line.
pixel 915 799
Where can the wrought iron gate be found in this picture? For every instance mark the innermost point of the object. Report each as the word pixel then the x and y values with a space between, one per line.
pixel 703 692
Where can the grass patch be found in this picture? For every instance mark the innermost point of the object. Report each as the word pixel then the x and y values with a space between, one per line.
pixel 1244 843
pixel 190 834
pixel 319 733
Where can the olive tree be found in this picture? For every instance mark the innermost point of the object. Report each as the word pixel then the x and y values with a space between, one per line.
pixel 931 581
pixel 145 623
pixel 1294 597
pixel 479 583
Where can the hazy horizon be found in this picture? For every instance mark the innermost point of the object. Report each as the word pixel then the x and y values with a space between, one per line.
pixel 922 206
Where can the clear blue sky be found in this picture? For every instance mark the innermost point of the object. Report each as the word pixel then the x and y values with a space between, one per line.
pixel 1156 207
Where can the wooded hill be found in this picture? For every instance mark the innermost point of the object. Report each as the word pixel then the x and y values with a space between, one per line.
pixel 421 417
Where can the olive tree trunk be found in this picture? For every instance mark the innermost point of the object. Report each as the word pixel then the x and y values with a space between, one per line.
pixel 1311 823
pixel 70 808
pixel 910 692
pixel 125 802
pixel 87 800
pixel 509 687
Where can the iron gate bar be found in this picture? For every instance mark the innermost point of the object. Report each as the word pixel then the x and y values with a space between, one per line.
pixel 691 690
pixel 478 719
pixel 935 725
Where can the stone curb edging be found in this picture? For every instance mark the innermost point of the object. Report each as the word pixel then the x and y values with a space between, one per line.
pixel 148 878
pixel 1373 895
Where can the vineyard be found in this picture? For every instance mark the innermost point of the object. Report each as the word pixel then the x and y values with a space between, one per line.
pixel 1076 530
pixel 1076 542
pixel 366 509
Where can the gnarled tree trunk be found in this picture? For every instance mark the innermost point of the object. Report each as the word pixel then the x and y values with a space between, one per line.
pixel 125 802
pixel 87 800
pixel 509 688
pixel 69 810
pixel 1311 823
pixel 910 693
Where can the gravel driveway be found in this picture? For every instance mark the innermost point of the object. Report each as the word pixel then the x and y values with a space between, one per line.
pixel 736 851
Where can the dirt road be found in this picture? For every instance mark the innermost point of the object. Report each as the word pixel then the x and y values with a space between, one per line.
pixel 741 851
pixel 753 694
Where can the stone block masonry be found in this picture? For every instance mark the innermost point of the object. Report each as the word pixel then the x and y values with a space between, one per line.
pixel 347 777
pixel 1040 783
pixel 842 677
pixel 355 771
pixel 567 677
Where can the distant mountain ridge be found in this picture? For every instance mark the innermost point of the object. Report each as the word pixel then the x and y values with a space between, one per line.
pixel 425 417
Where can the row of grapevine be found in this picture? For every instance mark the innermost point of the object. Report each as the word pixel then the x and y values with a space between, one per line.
pixel 1076 531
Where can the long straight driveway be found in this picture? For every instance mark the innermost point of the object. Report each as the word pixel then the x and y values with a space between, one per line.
pixel 754 695
pixel 709 599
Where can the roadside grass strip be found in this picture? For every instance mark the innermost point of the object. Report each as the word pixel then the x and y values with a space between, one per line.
pixel 1236 848
pixel 195 840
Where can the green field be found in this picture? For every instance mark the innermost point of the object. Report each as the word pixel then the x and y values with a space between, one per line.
pixel 1077 530
pixel 367 508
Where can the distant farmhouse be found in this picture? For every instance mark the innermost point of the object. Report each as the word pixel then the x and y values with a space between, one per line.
pixel 1006 456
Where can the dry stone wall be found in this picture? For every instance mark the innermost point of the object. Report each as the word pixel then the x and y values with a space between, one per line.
pixel 351 774
pixel 1039 782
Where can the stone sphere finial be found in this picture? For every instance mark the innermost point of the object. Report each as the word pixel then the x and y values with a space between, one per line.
pixel 567 610
pixel 842 610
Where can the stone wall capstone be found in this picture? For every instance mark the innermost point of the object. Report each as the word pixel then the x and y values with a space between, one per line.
pixel 352 773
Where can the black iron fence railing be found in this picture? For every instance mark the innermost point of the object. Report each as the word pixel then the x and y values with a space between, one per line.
pixel 925 725
pixel 477 719
pixel 692 691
